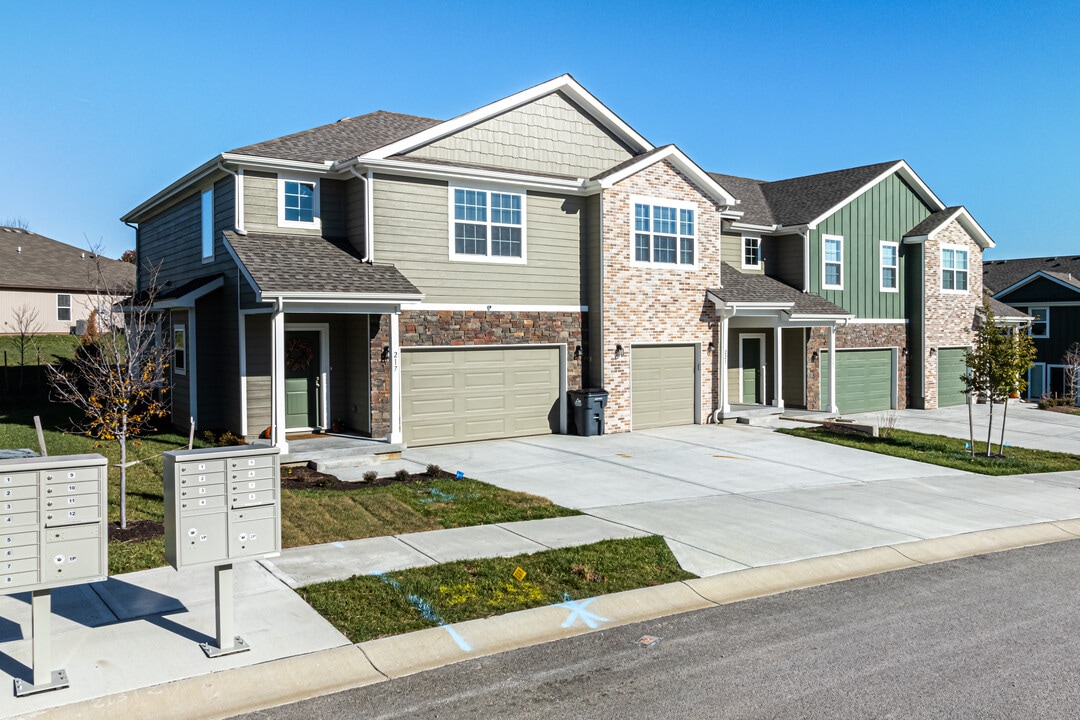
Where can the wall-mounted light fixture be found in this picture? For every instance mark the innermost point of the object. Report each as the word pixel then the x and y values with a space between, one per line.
pixel 619 351
pixel 813 356
pixel 933 352
pixel 577 352
pixel 385 353
pixel 712 347
pixel 903 350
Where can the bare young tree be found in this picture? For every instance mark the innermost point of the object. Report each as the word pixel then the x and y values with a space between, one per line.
pixel 1071 361
pixel 119 381
pixel 26 327
pixel 16 222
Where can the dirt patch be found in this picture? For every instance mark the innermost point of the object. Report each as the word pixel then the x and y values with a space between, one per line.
pixel 136 531
pixel 1067 409
pixel 304 478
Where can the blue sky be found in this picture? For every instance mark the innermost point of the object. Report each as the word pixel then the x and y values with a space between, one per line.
pixel 107 103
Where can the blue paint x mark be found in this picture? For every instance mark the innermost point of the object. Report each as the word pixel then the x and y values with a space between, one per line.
pixel 438 496
pixel 428 612
pixel 577 610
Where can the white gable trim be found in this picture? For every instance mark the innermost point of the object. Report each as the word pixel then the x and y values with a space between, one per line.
pixel 966 221
pixel 906 173
pixel 563 83
pixel 1029 279
pixel 677 158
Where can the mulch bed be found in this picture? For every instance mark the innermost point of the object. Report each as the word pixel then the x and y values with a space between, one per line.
pixel 136 531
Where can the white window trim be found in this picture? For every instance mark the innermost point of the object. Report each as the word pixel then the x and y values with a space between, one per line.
pixel 316 211
pixel 488 258
pixel 754 266
pixel 1046 322
pixel 882 266
pixel 678 205
pixel 206 219
pixel 181 328
pixel 941 269
pixel 68 307
pixel 825 263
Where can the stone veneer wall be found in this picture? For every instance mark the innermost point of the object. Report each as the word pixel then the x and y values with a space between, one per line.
pixel 463 328
pixel 856 336
pixel 656 304
pixel 950 317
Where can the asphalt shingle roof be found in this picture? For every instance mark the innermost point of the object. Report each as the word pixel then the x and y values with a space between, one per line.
pixel 751 199
pixel 1000 274
pixel 34 262
pixel 742 287
pixel 299 264
pixel 1002 310
pixel 341 140
pixel 932 222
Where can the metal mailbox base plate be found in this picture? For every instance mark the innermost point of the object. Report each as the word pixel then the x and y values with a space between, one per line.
pixel 59 682
pixel 239 646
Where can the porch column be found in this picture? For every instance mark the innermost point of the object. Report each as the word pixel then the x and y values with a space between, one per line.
pixel 832 370
pixel 725 404
pixel 778 369
pixel 395 435
pixel 277 331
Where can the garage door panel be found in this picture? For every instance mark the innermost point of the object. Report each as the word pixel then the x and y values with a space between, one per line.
pixel 952 365
pixel 663 385
pixel 864 380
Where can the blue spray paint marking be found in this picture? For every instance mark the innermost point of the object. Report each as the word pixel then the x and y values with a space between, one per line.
pixel 438 496
pixel 338 544
pixel 428 612
pixel 577 610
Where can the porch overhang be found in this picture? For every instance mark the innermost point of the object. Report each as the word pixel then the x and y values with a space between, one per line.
pixel 186 295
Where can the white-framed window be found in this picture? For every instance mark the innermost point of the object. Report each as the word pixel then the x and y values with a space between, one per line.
pixel 208 224
pixel 954 269
pixel 832 262
pixel 298 202
pixel 751 251
pixel 664 232
pixel 890 267
pixel 63 307
pixel 179 350
pixel 487 225
pixel 1040 325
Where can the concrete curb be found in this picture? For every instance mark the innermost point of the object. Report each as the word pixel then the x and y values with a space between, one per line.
pixel 242 690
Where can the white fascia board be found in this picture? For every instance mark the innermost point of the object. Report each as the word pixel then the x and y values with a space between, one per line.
pixel 749 227
pixel 1029 279
pixel 563 83
pixel 252 162
pixel 905 172
pixel 679 159
pixel 188 300
pixel 819 320
pixel 344 299
pixel 449 172
pixel 193 177
pixel 749 308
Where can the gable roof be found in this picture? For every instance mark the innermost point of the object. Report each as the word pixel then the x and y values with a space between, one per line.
pixel 752 203
pixel 1001 275
pixel 676 157
pixel 741 288
pixel 29 261
pixel 929 227
pixel 302 266
pixel 809 199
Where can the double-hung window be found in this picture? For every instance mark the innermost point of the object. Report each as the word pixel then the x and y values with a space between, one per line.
pixel 179 349
pixel 63 307
pixel 890 267
pixel 751 251
pixel 832 272
pixel 298 202
pixel 487 225
pixel 665 233
pixel 1040 325
pixel 954 269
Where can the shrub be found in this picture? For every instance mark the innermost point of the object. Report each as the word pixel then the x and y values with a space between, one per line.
pixel 371 476
pixel 434 470
pixel 403 475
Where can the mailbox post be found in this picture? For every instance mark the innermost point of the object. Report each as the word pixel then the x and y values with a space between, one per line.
pixel 222 505
pixel 53 533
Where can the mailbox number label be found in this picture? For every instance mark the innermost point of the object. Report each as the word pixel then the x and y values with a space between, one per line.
pixel 71 488
pixel 72 501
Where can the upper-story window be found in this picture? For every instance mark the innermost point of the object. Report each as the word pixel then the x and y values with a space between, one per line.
pixel 487 225
pixel 298 202
pixel 751 255
pixel 208 224
pixel 890 267
pixel 954 269
pixel 832 272
pixel 63 307
pixel 1040 326
pixel 665 232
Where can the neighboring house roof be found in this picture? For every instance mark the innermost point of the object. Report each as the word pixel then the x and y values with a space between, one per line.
pixel 754 289
pixel 29 261
pixel 1005 312
pixel 289 265
pixel 340 140
pixel 999 275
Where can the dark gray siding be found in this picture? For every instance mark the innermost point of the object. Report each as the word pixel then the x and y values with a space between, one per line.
pixel 1041 290
pixel 793 372
pixel 218 362
pixel 332 203
pixel 180 390
pixel 357 412
pixel 783 256
pixel 914 310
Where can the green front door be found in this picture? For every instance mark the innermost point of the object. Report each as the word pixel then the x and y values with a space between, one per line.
pixel 750 362
pixel 952 366
pixel 301 378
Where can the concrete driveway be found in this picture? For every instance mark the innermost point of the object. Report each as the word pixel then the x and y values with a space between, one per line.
pixel 731 497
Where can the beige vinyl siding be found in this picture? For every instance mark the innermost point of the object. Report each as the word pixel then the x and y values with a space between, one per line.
pixel 731 251
pixel 261 205
pixel 551 135
pixel 412 232
pixel 259 390
pixel 42 304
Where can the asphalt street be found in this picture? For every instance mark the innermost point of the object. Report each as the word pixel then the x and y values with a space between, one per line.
pixel 991 636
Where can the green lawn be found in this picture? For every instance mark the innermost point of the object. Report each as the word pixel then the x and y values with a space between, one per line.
pixel 947 452
pixel 369 606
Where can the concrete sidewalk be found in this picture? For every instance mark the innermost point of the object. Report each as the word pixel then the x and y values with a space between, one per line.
pixel 751 511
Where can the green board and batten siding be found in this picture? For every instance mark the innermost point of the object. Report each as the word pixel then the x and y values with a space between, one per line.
pixel 882 214
pixel 865 380
pixel 951 366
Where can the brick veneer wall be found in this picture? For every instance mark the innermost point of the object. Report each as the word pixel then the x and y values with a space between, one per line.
pixel 949 317
pixel 855 336
pixel 651 304
pixel 463 328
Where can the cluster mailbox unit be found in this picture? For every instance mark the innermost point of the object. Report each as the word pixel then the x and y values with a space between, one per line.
pixel 53 533
pixel 222 505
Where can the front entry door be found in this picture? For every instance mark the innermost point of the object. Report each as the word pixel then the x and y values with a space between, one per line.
pixel 751 353
pixel 302 365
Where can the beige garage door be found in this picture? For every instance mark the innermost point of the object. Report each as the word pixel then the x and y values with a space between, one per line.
pixel 663 385
pixel 478 394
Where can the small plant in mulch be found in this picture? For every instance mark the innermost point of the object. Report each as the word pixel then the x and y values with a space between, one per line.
pixel 371 476
pixel 586 573
pixel 300 477
pixel 136 531
pixel 433 470
pixel 403 475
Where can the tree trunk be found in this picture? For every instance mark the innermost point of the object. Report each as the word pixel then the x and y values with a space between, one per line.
pixel 123 472
pixel 1004 417
pixel 990 423
pixel 971 427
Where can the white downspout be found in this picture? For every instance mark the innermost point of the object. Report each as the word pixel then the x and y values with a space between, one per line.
pixel 277 376
pixel 368 179
pixel 806 260
pixel 238 199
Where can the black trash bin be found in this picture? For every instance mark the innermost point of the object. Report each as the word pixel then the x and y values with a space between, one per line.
pixel 589 404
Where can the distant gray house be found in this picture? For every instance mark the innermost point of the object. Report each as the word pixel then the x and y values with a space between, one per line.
pixel 59 284
pixel 435 281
